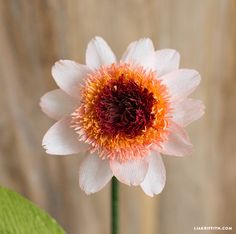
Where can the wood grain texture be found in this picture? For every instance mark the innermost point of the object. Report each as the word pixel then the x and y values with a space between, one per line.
pixel 200 189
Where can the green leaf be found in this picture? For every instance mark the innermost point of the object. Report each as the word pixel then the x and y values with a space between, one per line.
pixel 20 216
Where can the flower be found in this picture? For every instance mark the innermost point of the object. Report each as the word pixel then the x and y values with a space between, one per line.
pixel 122 114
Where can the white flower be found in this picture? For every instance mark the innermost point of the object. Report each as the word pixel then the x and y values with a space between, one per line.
pixel 122 114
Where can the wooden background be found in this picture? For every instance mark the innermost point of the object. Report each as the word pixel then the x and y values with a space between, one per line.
pixel 200 189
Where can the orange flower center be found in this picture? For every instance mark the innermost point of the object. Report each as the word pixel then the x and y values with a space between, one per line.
pixel 124 110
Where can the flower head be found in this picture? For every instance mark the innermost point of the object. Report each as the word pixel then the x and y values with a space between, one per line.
pixel 122 114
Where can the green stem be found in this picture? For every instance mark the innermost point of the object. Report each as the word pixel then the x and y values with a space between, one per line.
pixel 114 206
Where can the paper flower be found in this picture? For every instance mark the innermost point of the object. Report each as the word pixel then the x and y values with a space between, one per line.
pixel 122 114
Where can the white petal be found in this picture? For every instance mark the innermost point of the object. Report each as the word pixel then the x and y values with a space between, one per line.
pixel 155 179
pixel 178 142
pixel 167 60
pixel 69 76
pixel 61 139
pixel 187 111
pixel 137 51
pixel 131 172
pixel 57 104
pixel 98 53
pixel 94 173
pixel 181 83
pixel 161 61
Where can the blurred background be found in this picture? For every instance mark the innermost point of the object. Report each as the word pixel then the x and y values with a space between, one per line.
pixel 200 189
